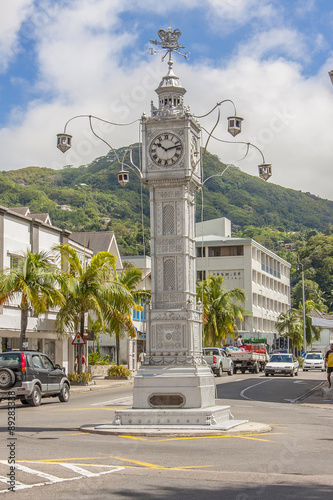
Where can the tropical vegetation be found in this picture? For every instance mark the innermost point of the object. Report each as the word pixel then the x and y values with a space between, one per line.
pixel 34 282
pixel 291 324
pixel 221 310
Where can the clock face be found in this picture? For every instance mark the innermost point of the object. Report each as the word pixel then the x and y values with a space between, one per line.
pixel 194 152
pixel 166 149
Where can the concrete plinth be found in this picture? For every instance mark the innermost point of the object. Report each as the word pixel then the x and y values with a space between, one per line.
pixel 213 416
pixel 174 387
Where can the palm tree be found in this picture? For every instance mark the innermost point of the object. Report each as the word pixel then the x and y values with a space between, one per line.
pixel 89 288
pixel 34 280
pixel 121 323
pixel 290 324
pixel 312 333
pixel 221 309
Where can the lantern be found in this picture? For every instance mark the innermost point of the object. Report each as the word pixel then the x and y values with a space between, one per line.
pixel 234 125
pixel 265 171
pixel 123 177
pixel 64 142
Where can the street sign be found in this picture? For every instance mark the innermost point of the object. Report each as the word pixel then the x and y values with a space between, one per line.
pixel 78 339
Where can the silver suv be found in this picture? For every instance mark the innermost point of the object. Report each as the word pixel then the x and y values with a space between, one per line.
pixel 30 376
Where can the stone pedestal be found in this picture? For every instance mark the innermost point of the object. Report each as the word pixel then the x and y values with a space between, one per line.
pixel 173 387
pixel 194 417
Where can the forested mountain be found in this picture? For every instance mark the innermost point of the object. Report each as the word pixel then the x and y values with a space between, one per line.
pixel 92 192
pixel 89 198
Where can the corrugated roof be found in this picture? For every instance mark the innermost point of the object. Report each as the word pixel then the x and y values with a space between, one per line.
pixel 98 241
pixel 20 210
pixel 43 217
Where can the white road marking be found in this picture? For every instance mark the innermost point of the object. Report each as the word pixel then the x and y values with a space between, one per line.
pixel 113 402
pixel 51 479
pixel 250 387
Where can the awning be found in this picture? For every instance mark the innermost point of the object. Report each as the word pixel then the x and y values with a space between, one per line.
pixel 323 323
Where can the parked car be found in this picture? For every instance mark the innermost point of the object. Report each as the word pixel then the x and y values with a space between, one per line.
pixel 218 360
pixel 313 361
pixel 29 376
pixel 282 364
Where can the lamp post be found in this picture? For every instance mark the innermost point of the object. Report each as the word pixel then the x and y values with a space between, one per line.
pixel 303 301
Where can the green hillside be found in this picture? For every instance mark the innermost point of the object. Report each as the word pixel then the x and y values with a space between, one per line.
pixel 94 196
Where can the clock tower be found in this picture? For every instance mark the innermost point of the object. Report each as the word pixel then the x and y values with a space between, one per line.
pixel 174 385
pixel 174 374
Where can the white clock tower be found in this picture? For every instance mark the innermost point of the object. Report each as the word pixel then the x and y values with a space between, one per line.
pixel 174 385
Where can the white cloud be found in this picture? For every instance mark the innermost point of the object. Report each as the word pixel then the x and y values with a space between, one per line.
pixel 228 13
pixel 12 16
pixel 81 48
pixel 284 41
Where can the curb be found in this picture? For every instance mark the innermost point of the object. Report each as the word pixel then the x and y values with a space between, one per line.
pixel 174 432
pixel 100 387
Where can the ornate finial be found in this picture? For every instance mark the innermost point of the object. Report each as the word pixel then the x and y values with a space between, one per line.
pixel 169 43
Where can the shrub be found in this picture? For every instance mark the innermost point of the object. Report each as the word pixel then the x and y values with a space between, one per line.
pixel 75 377
pixel 95 359
pixel 119 371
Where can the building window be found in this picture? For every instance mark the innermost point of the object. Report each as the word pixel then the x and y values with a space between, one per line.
pixel 14 261
pixel 139 315
pixel 226 251
pixel 201 275
pixel 201 251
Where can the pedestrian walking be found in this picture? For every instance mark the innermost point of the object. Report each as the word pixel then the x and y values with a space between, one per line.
pixel 329 364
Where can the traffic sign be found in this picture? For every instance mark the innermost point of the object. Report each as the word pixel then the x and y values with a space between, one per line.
pixel 78 339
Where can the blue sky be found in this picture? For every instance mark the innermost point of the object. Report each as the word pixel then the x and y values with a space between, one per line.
pixel 61 58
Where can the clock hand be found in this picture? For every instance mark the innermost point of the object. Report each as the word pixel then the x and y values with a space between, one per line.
pixel 159 145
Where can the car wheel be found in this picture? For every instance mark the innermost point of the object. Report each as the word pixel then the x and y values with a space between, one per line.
pixel 219 371
pixel 36 397
pixel 64 394
pixel 304 370
pixel 234 370
pixel 256 368
pixel 296 373
pixel 292 373
pixel 7 378
pixel 24 401
pixel 266 374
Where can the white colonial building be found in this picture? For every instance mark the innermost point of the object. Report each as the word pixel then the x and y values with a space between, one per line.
pixel 245 264
pixel 20 230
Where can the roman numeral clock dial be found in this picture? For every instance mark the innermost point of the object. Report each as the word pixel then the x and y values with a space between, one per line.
pixel 166 149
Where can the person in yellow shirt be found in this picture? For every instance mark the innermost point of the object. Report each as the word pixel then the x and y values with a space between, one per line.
pixel 329 364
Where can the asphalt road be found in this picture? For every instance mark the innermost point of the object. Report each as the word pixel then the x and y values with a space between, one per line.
pixel 55 459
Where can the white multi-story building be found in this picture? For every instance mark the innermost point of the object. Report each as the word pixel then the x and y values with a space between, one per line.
pixel 243 263
pixel 20 230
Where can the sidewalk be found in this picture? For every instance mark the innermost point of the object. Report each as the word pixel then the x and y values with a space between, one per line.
pixel 320 396
pixel 99 384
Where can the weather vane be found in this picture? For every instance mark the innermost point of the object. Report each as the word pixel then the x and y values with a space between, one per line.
pixel 169 43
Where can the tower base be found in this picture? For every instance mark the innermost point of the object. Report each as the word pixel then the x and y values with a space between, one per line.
pixel 173 387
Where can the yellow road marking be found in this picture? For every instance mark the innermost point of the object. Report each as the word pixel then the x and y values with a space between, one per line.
pixel 154 466
pixel 145 464
pixel 60 460
pixel 186 438
pixel 53 410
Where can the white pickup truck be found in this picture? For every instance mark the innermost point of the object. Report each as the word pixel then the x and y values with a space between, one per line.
pixel 218 360
pixel 251 357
